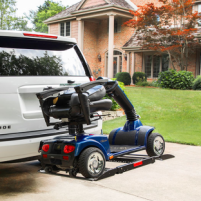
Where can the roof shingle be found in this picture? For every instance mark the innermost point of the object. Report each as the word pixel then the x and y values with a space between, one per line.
pixel 132 42
pixel 68 12
pixel 64 13
pixel 121 3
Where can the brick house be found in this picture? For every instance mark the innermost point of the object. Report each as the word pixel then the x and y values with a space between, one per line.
pixel 97 26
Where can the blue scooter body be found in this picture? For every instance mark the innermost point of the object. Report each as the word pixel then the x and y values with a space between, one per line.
pixel 139 133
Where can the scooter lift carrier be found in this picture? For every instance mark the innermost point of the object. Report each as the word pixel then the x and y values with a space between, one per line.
pixel 87 154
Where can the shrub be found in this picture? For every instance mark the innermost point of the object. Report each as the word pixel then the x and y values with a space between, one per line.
pixel 155 83
pixel 143 83
pixel 197 83
pixel 124 77
pixel 139 77
pixel 176 80
pixel 115 105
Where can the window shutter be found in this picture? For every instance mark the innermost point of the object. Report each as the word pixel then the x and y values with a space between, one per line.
pixel 62 29
pixel 119 23
pixel 108 26
pixel 68 28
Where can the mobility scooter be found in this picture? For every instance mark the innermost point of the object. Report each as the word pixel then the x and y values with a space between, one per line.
pixel 78 152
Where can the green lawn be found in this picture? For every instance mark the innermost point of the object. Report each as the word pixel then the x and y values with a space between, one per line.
pixel 176 114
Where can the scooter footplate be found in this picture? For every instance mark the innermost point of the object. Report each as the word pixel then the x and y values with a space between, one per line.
pixel 118 148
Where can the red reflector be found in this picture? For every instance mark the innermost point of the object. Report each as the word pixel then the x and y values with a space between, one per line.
pixel 91 134
pixel 40 35
pixel 45 147
pixel 68 149
pixel 137 164
pixel 92 79
pixel 65 157
pixel 44 155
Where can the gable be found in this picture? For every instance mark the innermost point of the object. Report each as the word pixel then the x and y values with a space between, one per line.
pixel 92 3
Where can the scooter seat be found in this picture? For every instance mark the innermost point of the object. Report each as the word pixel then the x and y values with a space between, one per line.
pixel 68 105
pixel 94 94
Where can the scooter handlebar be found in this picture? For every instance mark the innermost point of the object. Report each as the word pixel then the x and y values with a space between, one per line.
pixel 85 87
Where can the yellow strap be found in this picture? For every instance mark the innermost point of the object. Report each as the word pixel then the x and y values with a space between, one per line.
pixel 55 100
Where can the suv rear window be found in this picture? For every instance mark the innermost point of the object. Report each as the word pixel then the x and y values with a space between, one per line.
pixel 48 60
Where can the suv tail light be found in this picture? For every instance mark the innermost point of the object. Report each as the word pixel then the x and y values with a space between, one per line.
pixel 46 147
pixel 92 79
pixel 39 35
pixel 68 149
pixel 44 155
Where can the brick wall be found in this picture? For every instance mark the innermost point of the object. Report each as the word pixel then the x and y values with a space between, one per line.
pixel 142 2
pixel 102 44
pixel 119 40
pixel 138 62
pixel 191 64
pixel 54 29
pixel 90 44
pixel 74 29
pixel 96 42
pixel 90 3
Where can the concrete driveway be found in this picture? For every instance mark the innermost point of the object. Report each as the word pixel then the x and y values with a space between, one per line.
pixel 174 179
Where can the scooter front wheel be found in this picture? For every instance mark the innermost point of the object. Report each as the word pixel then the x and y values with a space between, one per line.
pixel 155 145
pixel 91 162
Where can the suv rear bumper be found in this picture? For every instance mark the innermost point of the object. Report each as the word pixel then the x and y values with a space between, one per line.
pixel 17 146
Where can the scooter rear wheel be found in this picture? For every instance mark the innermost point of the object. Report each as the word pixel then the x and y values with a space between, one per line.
pixel 155 145
pixel 91 162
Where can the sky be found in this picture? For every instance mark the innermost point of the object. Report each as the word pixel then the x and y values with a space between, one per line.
pixel 23 6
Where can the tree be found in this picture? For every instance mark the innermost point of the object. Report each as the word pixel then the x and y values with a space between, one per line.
pixel 20 24
pixel 169 28
pixel 48 9
pixel 11 64
pixel 7 9
pixel 8 20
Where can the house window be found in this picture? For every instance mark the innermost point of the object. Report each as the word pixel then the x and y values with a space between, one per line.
pixel 154 64
pixel 65 28
pixel 148 65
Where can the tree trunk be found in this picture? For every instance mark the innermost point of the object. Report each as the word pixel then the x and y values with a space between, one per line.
pixel 171 60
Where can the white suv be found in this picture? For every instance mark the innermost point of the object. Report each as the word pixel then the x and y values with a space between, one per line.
pixel 31 63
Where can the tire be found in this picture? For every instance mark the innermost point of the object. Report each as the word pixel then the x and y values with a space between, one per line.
pixel 91 162
pixel 51 169
pixel 155 145
pixel 48 169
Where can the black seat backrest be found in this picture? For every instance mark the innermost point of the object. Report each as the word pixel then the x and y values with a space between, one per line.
pixel 94 94
pixel 68 105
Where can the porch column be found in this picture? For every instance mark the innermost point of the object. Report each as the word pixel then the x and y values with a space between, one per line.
pixel 110 46
pixel 132 66
pixel 80 33
pixel 128 62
